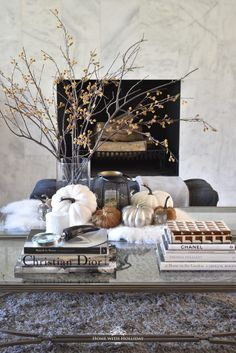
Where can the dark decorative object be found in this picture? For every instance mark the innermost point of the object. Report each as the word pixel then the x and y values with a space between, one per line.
pixel 112 189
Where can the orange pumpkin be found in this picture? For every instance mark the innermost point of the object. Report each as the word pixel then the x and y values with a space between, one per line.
pixel 171 213
pixel 107 217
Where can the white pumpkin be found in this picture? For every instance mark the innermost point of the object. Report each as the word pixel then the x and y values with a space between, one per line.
pixel 151 198
pixel 137 216
pixel 162 196
pixel 76 200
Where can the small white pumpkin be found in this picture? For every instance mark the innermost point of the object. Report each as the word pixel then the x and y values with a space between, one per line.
pixel 162 196
pixel 151 198
pixel 137 216
pixel 76 200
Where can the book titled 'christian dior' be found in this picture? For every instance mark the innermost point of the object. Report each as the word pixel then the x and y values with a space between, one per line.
pixel 78 260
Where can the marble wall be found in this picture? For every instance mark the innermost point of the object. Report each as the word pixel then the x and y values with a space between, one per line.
pixel 181 35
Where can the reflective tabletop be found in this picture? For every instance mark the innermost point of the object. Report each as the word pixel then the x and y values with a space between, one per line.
pixel 137 267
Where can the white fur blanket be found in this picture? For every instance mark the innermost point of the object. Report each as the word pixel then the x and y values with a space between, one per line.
pixel 22 216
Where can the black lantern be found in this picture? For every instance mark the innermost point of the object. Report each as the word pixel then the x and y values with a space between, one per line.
pixel 112 189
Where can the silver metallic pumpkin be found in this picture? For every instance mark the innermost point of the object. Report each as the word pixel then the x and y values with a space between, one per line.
pixel 137 216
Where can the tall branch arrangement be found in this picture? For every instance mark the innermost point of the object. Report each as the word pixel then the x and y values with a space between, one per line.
pixel 30 114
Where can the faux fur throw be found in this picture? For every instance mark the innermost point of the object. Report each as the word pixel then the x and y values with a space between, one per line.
pixel 22 216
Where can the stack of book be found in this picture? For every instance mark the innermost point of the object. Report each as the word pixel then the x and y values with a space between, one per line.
pixel 88 258
pixel 196 246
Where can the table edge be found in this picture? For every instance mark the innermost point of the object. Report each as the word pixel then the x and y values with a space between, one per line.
pixel 118 287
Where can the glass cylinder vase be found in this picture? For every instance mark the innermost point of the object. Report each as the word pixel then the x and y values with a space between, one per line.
pixel 73 172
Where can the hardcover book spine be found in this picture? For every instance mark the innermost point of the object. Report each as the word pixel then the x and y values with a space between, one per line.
pixel 20 270
pixel 180 256
pixel 192 266
pixel 201 247
pixel 64 278
pixel 61 261
pixel 197 266
pixel 103 250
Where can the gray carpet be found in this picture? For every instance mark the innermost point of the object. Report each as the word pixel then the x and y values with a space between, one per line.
pixel 58 313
